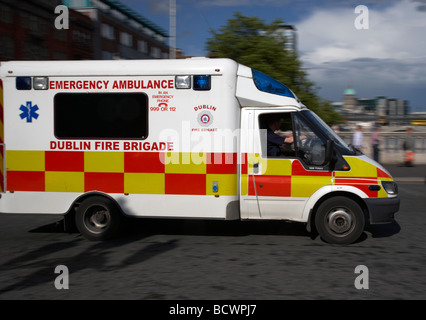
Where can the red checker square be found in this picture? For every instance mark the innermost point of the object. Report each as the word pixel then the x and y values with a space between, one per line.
pixel 71 161
pixel 272 186
pixel 112 182
pixel 144 162
pixel 179 183
pixel 25 181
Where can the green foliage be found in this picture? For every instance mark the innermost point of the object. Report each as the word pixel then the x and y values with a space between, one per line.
pixel 249 41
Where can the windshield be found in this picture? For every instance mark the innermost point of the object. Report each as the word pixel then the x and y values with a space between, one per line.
pixel 270 85
pixel 339 142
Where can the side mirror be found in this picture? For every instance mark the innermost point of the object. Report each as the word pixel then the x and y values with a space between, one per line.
pixel 329 151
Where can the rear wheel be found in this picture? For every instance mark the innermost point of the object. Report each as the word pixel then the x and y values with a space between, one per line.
pixel 340 220
pixel 98 218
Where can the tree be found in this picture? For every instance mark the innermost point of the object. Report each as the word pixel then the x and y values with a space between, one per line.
pixel 249 41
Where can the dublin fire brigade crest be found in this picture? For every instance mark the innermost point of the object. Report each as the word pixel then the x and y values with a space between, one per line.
pixel 205 118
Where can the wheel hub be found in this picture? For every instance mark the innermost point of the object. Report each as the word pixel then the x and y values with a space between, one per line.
pixel 100 219
pixel 339 220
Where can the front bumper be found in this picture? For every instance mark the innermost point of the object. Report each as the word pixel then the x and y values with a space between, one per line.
pixel 382 210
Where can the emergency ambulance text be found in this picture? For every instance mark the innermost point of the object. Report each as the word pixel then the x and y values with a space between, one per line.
pixel 79 84
pixel 103 84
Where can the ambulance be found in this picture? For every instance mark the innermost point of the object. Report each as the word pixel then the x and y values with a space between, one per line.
pixel 97 141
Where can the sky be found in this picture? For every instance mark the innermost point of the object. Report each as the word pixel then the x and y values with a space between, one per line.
pixel 378 49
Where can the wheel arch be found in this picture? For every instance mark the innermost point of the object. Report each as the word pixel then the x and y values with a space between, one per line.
pixel 357 196
pixel 98 216
pixel 70 214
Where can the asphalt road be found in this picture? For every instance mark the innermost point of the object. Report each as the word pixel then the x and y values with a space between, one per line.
pixel 185 259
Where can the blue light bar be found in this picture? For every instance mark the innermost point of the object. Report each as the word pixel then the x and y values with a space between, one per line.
pixel 202 83
pixel 267 84
pixel 23 83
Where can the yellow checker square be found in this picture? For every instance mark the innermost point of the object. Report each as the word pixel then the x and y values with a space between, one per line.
pixel 277 167
pixel 244 186
pixel 144 183
pixel 305 186
pixel 185 162
pixel 17 160
pixel 359 168
pixel 104 161
pixel 254 158
pixel 227 184
pixel 64 181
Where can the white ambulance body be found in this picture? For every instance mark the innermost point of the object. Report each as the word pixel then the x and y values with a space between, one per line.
pixel 179 139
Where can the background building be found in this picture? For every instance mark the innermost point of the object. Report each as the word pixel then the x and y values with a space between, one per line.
pixel 287 31
pixel 380 108
pixel 349 101
pixel 27 32
pixel 120 32
pixel 98 29
pixel 290 33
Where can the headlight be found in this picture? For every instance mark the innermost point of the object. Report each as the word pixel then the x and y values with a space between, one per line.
pixel 390 187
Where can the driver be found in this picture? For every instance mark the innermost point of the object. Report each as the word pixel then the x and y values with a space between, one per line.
pixel 277 144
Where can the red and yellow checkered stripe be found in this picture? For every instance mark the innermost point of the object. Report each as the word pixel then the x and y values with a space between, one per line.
pixel 281 178
pixel 362 175
pixel 288 178
pixel 2 189
pixel 122 172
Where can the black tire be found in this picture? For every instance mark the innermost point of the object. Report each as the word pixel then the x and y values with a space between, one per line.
pixel 98 218
pixel 340 220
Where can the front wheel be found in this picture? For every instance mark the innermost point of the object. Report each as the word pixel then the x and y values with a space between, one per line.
pixel 340 220
pixel 98 218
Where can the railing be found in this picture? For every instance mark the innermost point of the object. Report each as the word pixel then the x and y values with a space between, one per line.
pixel 390 141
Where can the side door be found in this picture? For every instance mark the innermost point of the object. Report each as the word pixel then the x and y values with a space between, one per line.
pixel 249 207
pixel 282 177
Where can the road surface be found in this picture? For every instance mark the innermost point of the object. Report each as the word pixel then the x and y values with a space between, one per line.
pixel 186 259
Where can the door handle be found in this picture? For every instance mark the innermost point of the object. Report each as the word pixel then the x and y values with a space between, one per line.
pixel 255 167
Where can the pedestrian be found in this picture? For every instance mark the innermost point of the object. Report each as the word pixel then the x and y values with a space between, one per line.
pixel 408 147
pixel 374 140
pixel 357 139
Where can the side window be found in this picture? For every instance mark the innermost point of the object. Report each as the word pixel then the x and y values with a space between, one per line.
pixel 309 146
pixel 101 116
pixel 276 131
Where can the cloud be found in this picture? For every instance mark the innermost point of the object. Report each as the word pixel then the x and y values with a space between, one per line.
pixel 392 52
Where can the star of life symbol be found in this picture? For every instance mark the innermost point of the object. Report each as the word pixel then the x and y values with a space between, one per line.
pixel 29 111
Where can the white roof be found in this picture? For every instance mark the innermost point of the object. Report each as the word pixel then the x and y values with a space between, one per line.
pixel 117 67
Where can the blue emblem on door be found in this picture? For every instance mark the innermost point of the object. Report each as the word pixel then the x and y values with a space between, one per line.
pixel 29 111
